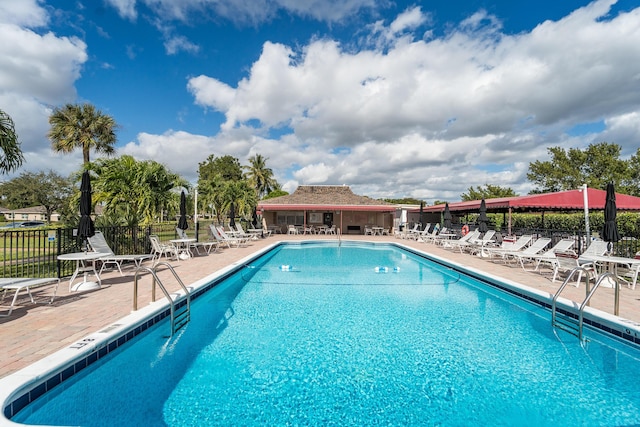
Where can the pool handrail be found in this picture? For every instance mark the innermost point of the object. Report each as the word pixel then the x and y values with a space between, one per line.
pixel 177 321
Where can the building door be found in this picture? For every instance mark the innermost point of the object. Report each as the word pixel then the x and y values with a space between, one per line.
pixel 328 218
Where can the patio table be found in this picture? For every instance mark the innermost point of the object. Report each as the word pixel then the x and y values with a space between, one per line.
pixel 182 248
pixel 85 263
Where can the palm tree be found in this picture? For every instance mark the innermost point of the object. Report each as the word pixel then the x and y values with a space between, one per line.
pixel 82 126
pixel 260 176
pixel 240 195
pixel 11 156
pixel 136 190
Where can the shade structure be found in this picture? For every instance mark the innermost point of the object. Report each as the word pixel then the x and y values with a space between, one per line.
pixel 86 227
pixel 610 229
pixel 482 219
pixel 447 216
pixel 232 215
pixel 182 221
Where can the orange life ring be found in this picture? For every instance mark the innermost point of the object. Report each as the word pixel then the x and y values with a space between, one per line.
pixel 465 229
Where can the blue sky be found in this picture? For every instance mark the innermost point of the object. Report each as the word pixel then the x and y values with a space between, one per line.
pixel 395 99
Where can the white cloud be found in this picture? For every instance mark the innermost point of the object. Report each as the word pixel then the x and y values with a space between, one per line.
pixel 438 107
pixel 245 12
pixel 400 115
pixel 27 13
pixel 211 92
pixel 177 44
pixel 126 8
pixel 36 70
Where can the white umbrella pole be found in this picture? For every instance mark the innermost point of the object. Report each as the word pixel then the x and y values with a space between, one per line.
pixel 195 208
pixel 586 212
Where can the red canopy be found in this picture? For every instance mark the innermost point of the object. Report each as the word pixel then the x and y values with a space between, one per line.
pixel 562 200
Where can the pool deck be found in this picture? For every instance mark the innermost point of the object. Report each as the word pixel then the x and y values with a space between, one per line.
pixel 34 331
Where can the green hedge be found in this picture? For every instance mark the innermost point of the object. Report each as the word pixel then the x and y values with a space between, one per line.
pixel 628 222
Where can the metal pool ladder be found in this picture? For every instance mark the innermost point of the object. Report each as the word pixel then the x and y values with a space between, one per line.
pixel 570 324
pixel 180 307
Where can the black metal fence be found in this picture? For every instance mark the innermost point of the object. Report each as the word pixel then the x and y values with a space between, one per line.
pixel 34 252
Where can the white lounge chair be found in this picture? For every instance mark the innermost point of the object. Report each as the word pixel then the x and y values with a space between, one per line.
pixel 207 245
pixel 99 244
pixel 158 249
pixel 530 251
pixel 596 248
pixel 475 246
pixel 549 256
pixel 224 238
pixel 18 284
pixel 433 236
pixel 506 248
pixel 462 241
pixel 408 234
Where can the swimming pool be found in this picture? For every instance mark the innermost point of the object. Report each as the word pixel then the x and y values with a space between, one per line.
pixel 393 339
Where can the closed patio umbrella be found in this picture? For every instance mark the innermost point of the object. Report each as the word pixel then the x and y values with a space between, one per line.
pixel 232 215
pixel 254 218
pixel 86 227
pixel 182 221
pixel 422 214
pixel 482 219
pixel 447 216
pixel 610 230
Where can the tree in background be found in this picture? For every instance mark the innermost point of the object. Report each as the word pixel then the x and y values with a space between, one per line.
pixel 275 193
pixel 595 166
pixel 488 192
pixel 260 177
pixel 37 189
pixel 241 195
pixel 135 191
pixel 11 156
pixel 404 201
pixel 83 127
pixel 221 184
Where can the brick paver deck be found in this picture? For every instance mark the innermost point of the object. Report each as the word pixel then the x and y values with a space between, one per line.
pixel 35 331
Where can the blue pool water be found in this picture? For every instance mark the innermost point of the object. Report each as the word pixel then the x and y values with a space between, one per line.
pixel 324 335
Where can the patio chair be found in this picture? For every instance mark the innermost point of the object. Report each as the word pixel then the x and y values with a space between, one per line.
pixel 418 234
pixel 506 248
pixel 454 244
pixel 433 237
pixel 629 273
pixel 477 245
pixel 224 238
pixel 408 233
pixel 207 245
pixel 596 248
pixel 530 251
pixel 549 256
pixel 18 284
pixel 158 249
pixel 568 261
pixel 99 244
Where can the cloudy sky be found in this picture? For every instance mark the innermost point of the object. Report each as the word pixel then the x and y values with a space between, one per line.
pixel 394 98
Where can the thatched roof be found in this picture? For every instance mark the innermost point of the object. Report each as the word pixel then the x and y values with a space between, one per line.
pixel 325 197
